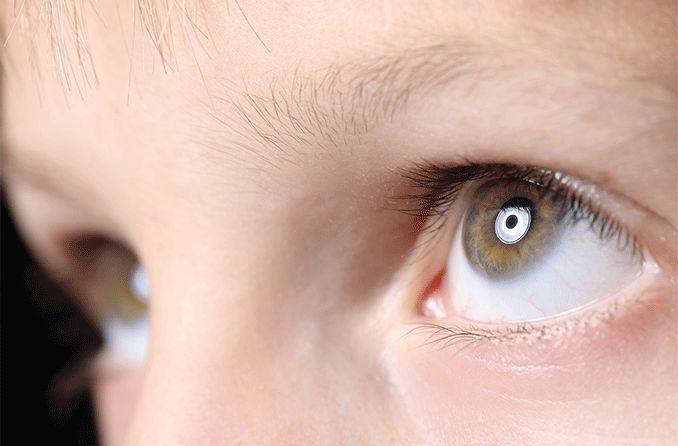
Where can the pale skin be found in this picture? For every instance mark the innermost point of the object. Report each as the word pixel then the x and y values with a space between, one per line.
pixel 257 191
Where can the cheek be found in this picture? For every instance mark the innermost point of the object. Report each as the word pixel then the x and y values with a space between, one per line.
pixel 114 395
pixel 585 387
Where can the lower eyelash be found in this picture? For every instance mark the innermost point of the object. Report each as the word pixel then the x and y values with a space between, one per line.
pixel 459 338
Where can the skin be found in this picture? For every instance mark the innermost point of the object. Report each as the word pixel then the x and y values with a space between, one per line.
pixel 282 284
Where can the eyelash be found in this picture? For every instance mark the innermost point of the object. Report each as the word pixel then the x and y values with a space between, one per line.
pixel 437 188
pixel 445 336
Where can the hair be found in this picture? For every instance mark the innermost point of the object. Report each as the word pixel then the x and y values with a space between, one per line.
pixel 55 33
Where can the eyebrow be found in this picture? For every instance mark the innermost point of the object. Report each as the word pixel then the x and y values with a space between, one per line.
pixel 327 107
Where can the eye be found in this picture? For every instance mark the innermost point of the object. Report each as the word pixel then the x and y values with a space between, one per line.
pixel 521 255
pixel 527 245
pixel 126 324
pixel 108 279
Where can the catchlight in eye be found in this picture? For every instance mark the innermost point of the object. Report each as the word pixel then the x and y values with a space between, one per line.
pixel 513 221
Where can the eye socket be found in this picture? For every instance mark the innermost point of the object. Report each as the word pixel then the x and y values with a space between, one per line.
pixel 551 264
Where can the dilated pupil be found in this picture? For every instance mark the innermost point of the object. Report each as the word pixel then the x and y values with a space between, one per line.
pixel 511 221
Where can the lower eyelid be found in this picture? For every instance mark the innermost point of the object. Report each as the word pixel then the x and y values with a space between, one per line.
pixel 637 345
pixel 613 327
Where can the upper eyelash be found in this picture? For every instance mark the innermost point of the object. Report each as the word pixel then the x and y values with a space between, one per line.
pixel 438 187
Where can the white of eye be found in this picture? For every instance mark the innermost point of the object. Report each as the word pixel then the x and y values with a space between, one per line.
pixel 127 340
pixel 512 224
pixel 580 269
pixel 139 284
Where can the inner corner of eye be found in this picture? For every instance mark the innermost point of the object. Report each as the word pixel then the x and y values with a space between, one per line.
pixel 433 302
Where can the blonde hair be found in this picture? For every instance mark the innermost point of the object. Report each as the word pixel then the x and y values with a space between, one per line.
pixel 56 30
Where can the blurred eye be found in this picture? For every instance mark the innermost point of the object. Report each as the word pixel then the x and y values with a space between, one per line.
pixel 113 288
pixel 126 324
pixel 522 254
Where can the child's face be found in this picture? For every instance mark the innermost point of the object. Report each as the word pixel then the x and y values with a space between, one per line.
pixel 323 268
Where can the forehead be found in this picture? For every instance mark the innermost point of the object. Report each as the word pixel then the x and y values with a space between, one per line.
pixel 73 41
pixel 141 80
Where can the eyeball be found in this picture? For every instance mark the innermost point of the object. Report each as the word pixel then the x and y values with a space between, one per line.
pixel 139 284
pixel 126 324
pixel 520 255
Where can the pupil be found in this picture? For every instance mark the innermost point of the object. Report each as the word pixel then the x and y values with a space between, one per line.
pixel 511 221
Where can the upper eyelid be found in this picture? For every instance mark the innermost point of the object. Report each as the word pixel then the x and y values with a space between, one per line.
pixel 437 188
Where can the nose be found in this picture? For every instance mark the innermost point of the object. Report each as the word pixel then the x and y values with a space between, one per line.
pixel 270 332
pixel 247 363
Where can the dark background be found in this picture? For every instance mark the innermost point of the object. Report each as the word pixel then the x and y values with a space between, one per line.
pixel 42 338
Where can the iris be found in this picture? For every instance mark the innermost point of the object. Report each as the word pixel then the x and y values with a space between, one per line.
pixel 510 225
